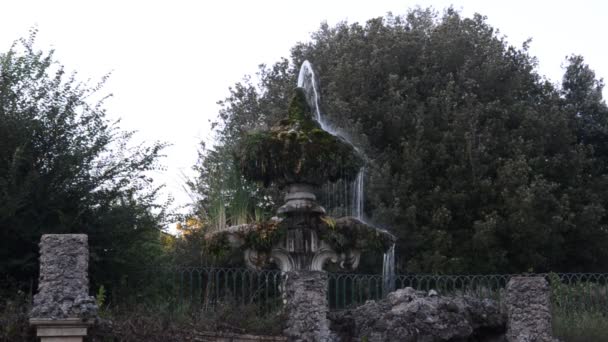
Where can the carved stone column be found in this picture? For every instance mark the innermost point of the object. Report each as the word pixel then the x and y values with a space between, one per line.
pixel 62 308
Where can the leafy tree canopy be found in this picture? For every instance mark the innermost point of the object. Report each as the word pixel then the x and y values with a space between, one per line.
pixel 477 163
pixel 64 168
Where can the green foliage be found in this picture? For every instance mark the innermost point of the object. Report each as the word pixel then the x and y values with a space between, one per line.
pixel 476 162
pixel 350 234
pixel 223 196
pixel 218 245
pixel 578 309
pixel 299 113
pixel 14 318
pixel 100 297
pixel 64 168
pixel 161 323
pixel 580 326
pixel 329 222
pixel 264 236
pixel 259 236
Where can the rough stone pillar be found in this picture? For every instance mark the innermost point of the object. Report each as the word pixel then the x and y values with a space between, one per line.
pixel 62 307
pixel 528 305
pixel 306 306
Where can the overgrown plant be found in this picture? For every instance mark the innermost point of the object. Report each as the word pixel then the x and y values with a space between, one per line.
pixel 225 198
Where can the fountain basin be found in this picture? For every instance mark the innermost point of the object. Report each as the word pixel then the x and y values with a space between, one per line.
pixel 301 242
pixel 297 151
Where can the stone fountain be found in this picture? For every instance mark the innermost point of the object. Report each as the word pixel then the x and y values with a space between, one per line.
pixel 298 155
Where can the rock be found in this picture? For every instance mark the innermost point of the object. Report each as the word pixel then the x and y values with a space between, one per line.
pixel 409 315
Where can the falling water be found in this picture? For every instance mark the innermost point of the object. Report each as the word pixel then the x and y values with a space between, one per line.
pixel 388 271
pixel 308 80
pixel 338 196
pixel 358 194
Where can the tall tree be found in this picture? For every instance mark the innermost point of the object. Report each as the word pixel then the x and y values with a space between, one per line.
pixel 476 162
pixel 64 168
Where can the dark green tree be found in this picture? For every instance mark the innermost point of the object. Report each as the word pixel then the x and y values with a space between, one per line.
pixel 64 168
pixel 477 163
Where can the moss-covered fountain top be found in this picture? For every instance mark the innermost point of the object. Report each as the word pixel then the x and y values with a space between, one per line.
pixel 297 154
pixel 297 150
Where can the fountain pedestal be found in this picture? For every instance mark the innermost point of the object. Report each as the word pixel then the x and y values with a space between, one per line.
pixel 300 198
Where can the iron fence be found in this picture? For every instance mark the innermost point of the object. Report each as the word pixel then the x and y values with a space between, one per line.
pixel 207 287
pixel 199 287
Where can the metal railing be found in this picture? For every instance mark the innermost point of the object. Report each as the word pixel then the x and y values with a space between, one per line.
pixel 199 287
pixel 347 290
pixel 207 287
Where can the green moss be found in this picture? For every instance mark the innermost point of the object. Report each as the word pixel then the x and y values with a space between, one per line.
pixel 299 111
pixel 264 236
pixel 261 236
pixel 348 233
pixel 341 234
pixel 297 150
pixel 329 222
pixel 218 245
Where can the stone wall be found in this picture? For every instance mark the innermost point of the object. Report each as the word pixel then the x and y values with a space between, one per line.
pixel 63 288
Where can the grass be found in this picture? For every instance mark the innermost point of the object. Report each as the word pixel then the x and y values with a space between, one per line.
pixel 182 323
pixel 158 322
pixel 14 320
pixel 579 310
pixel 580 326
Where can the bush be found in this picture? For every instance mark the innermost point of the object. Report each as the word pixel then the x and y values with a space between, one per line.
pixel 14 323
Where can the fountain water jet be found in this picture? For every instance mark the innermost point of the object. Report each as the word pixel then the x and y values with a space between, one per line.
pixel 307 79
pixel 388 271
pixel 358 199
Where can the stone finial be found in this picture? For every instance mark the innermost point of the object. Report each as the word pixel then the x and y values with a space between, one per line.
pixel 62 307
pixel 528 305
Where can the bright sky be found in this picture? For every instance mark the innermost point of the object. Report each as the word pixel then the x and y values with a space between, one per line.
pixel 171 61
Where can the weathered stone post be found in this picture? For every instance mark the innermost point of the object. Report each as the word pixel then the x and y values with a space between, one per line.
pixel 62 308
pixel 306 305
pixel 528 305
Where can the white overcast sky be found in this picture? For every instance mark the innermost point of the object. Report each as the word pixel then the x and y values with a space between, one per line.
pixel 171 61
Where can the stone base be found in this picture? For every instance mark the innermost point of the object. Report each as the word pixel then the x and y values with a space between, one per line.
pixel 60 330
